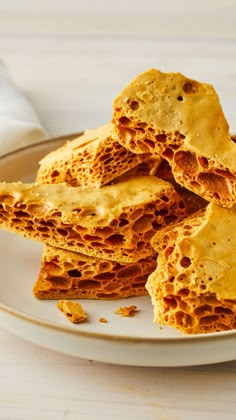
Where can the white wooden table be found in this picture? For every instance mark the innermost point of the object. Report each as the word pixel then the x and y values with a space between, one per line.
pixel 71 58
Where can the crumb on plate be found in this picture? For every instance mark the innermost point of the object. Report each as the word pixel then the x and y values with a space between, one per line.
pixel 126 310
pixel 72 310
pixel 103 320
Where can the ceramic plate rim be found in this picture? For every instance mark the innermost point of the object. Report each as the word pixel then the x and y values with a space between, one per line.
pixel 52 325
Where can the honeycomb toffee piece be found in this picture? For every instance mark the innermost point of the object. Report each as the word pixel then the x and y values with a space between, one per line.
pixel 160 168
pixel 126 311
pixel 194 288
pixel 183 121
pixel 115 222
pixel 91 160
pixel 72 310
pixel 70 275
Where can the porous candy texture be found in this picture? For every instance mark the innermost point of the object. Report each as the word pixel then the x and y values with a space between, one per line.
pixel 182 120
pixel 115 222
pixel 66 275
pixel 193 288
pixel 72 310
pixel 91 160
pixel 156 166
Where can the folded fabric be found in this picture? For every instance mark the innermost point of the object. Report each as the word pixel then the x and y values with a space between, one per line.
pixel 19 124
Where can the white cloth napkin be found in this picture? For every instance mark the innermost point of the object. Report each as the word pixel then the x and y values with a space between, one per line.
pixel 19 124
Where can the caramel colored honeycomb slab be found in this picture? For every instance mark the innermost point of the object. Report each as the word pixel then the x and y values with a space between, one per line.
pixel 70 275
pixel 183 121
pixel 91 160
pixel 114 222
pixel 194 287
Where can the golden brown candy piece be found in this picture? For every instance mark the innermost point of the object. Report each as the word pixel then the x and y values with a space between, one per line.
pixel 115 222
pixel 103 320
pixel 126 311
pixel 69 275
pixel 91 160
pixel 194 287
pixel 182 120
pixel 72 310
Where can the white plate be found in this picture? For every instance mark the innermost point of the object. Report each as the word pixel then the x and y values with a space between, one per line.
pixel 131 341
